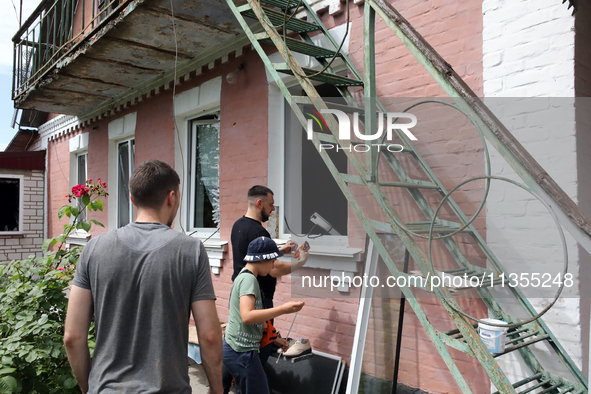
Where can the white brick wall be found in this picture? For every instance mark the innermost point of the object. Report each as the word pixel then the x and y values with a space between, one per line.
pixel 22 246
pixel 528 48
pixel 528 51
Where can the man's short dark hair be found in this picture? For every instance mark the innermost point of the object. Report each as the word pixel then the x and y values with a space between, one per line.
pixel 151 182
pixel 258 191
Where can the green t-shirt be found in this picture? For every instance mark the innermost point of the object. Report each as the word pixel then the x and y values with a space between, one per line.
pixel 244 337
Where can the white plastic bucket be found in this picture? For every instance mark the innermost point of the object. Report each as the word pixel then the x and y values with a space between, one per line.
pixel 494 338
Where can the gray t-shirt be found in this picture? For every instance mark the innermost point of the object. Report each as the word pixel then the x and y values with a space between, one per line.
pixel 143 278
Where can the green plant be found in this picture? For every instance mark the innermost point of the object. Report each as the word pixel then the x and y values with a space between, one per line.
pixel 33 302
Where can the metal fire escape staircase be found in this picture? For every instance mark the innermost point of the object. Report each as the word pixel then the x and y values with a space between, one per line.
pixel 279 15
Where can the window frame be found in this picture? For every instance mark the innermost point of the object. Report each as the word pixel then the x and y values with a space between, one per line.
pixel 284 233
pixel 131 164
pixel 21 204
pixel 192 127
pixel 78 155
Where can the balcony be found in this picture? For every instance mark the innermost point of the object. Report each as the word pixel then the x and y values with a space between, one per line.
pixel 72 56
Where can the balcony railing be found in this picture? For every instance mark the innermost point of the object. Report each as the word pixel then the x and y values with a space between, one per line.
pixel 54 31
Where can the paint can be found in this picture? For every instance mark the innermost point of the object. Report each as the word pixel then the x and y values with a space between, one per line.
pixel 494 338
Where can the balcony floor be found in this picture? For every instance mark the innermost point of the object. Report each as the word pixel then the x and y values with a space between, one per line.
pixel 134 48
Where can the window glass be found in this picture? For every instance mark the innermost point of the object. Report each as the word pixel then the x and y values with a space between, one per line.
pixel 205 159
pixel 125 164
pixel 312 196
pixel 10 207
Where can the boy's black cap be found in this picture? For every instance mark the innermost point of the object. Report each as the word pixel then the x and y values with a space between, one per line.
pixel 262 249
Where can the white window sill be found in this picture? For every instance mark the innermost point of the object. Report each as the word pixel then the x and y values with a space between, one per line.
pixel 215 252
pixel 78 237
pixel 329 257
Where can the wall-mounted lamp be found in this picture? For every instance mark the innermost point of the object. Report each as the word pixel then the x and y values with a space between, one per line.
pixel 232 77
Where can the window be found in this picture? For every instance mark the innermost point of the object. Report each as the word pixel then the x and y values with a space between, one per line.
pixel 81 176
pixel 204 153
pixel 125 165
pixel 11 210
pixel 311 192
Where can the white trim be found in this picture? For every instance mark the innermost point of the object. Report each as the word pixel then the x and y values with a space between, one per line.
pixel 78 147
pixel 123 127
pixel 57 127
pixel 130 162
pixel 21 203
pixel 371 263
pixel 79 143
pixel 202 232
pixel 120 130
pixel 188 105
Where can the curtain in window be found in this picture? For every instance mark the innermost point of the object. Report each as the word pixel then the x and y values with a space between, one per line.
pixel 207 181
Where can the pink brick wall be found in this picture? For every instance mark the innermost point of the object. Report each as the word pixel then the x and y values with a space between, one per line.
pixel 454 29
pixel 451 147
pixel 243 153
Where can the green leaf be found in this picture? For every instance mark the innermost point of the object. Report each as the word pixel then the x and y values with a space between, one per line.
pixel 46 244
pixel 43 319
pixel 94 205
pixel 55 352
pixel 8 384
pixel 99 204
pixel 97 222
pixel 64 210
pixel 70 383
pixel 32 356
pixel 75 211
pixel 86 226
pixel 86 199
pixel 6 371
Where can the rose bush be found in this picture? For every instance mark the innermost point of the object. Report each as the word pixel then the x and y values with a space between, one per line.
pixel 33 302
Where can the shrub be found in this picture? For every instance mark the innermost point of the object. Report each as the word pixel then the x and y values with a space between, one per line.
pixel 33 303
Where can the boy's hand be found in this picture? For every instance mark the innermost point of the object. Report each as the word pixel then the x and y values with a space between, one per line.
pixel 293 306
pixel 303 256
pixel 282 343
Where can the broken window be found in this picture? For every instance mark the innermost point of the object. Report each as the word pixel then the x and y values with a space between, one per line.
pixel 125 164
pixel 314 203
pixel 11 207
pixel 204 153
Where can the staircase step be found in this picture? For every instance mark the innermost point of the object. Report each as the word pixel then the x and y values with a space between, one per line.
pixel 283 4
pixel 423 228
pixel 325 77
pixel 411 184
pixel 304 47
pixel 341 107
pixel 277 19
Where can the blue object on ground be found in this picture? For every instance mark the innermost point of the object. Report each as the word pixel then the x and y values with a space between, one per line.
pixel 195 353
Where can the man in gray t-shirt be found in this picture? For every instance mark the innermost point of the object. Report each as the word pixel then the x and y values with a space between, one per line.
pixel 142 281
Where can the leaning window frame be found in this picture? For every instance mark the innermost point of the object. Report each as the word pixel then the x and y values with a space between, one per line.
pixel 201 232
pixel 21 204
pixel 130 163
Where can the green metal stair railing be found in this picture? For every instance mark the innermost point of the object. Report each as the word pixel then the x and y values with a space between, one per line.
pixel 464 338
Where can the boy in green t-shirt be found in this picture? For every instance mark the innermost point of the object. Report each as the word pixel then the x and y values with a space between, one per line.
pixel 245 324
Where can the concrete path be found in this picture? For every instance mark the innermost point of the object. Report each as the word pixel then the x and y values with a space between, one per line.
pixel 198 380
